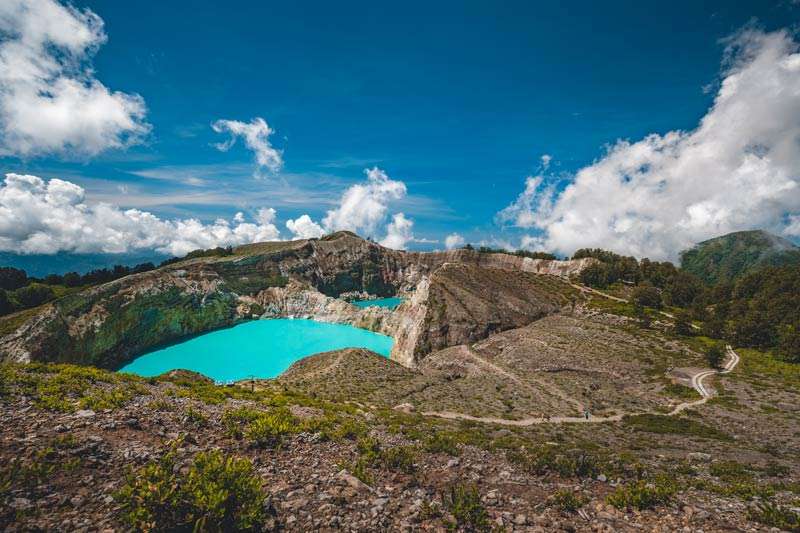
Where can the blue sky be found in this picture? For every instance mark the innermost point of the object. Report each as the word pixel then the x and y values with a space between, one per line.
pixel 457 100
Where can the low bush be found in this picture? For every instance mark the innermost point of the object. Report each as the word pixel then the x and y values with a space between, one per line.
pixel 269 429
pixel 347 429
pixel 775 515
pixel 261 428
pixel 217 493
pixel 196 418
pixel 730 470
pixel 663 424
pixel 399 458
pixel 567 500
pixel 643 494
pixel 464 503
pixel 441 443
pixel 546 459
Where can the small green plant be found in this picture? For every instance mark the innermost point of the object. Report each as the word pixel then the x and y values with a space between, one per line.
pixel 262 428
pixel 775 515
pixel 348 429
pixel 361 471
pixel 674 425
pixel 643 494
pixel 729 470
pixel 540 460
pixel 429 511
pixel 268 430
pixel 218 493
pixel 399 458
pixel 441 443
pixel 567 500
pixel 160 405
pixel 196 418
pixel 101 399
pixel 464 503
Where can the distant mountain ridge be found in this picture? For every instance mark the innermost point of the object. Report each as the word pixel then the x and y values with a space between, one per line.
pixel 40 265
pixel 728 257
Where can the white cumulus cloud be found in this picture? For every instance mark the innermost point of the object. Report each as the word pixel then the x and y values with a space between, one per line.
pixel 48 216
pixel 364 205
pixel 256 135
pixel 738 169
pixel 50 100
pixel 398 233
pixel 363 208
pixel 304 228
pixel 454 240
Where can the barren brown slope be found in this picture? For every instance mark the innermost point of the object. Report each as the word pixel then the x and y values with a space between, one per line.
pixel 467 303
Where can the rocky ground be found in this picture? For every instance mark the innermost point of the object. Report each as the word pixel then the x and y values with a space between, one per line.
pixel 341 440
pixel 74 437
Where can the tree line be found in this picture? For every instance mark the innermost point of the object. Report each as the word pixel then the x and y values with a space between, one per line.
pixel 759 310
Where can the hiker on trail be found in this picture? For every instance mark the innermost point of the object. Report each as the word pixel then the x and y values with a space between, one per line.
pixel 586 414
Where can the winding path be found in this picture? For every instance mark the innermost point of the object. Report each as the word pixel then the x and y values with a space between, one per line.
pixel 697 381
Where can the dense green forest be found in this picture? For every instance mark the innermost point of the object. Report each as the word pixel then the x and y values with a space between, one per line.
pixel 727 258
pixel 760 309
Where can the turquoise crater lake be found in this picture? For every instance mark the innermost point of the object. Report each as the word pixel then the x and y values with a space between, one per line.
pixel 391 303
pixel 260 348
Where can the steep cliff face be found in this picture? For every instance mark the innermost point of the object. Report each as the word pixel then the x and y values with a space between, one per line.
pixel 463 303
pixel 109 324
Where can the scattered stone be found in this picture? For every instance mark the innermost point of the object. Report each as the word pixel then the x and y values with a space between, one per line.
pixel 84 413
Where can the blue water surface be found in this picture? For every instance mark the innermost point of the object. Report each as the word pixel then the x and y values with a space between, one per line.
pixel 260 348
pixel 391 303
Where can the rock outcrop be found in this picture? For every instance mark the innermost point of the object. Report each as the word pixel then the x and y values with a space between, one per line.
pixel 109 324
pixel 462 303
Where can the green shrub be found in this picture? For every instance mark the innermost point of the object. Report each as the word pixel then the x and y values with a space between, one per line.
pixel 441 443
pixel 196 418
pixel 775 515
pixel 269 429
pixel 399 458
pixel 348 429
pixel 464 503
pixel 100 399
pixel 218 493
pixel 567 500
pixel 546 459
pixel 261 428
pixel 160 405
pixel 663 424
pixel 715 355
pixel 62 387
pixel 643 494
pixel 729 470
